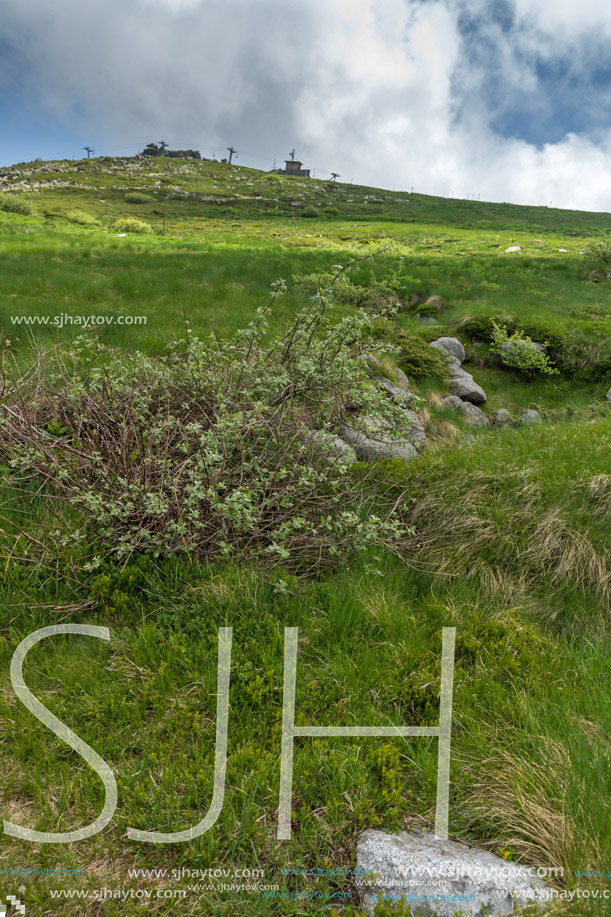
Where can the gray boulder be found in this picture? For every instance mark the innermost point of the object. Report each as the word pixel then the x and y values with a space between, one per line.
pixel 464 385
pixel 374 367
pixel 416 432
pixel 470 412
pixel 451 346
pixel 531 417
pixel 332 445
pixel 395 392
pixel 402 380
pixel 442 877
pixel 501 417
pixel 608 395
pixel 375 450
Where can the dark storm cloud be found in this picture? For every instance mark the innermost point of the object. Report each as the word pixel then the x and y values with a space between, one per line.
pixel 197 73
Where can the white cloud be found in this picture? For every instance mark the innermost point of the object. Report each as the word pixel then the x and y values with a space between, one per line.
pixel 368 88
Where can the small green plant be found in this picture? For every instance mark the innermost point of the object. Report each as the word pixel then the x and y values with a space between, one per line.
pixel 520 352
pixel 372 295
pixel 310 211
pixel 131 224
pixel 138 197
pixel 414 356
pixel 81 217
pixel 12 204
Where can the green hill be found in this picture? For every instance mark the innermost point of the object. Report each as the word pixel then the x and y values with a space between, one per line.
pixel 506 529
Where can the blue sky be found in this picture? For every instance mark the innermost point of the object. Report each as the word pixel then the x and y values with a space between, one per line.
pixel 506 99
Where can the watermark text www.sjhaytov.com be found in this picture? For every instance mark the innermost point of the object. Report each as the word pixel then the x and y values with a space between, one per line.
pixel 81 321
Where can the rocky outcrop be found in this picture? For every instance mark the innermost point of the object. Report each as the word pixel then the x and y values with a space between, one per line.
pixel 464 386
pixel 452 346
pixel 462 383
pixel 471 414
pixel 332 445
pixel 383 447
pixel 442 877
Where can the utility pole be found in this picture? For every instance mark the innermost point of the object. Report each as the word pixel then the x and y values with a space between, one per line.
pixel 232 153
pixel 89 150
pixel 162 146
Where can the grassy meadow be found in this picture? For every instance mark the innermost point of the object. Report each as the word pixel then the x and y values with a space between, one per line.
pixel 511 544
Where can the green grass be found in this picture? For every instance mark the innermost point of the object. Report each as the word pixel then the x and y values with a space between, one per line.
pixel 512 547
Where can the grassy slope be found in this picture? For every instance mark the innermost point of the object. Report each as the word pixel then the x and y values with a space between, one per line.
pixel 515 548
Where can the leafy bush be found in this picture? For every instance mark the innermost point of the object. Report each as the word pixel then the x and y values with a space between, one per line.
pixel 138 197
pixel 81 217
pixel 599 252
pixel 131 224
pixel 520 352
pixel 12 204
pixel 374 296
pixel 310 211
pixel 206 449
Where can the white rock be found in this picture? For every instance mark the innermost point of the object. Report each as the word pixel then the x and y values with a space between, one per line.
pixel 441 877
pixel 513 248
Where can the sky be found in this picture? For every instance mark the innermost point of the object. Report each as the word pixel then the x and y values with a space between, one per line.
pixel 505 100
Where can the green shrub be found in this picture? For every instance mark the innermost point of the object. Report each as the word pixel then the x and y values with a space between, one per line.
pixel 416 358
pixel 481 327
pixel 331 211
pixel 310 211
pixel 374 296
pixel 206 449
pixel 599 252
pixel 131 224
pixel 12 204
pixel 518 351
pixel 138 197
pixel 81 217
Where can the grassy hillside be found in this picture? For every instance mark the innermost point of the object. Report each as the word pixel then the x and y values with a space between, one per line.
pixel 509 540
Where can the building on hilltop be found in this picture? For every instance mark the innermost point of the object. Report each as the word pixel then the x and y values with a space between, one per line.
pixel 292 166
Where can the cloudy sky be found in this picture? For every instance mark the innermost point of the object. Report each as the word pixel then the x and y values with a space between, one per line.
pixel 506 99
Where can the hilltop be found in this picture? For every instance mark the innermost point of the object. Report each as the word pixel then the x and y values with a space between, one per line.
pixel 207 189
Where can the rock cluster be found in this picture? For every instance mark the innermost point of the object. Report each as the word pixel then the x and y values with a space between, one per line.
pixel 373 441
pixel 472 415
pixel 462 383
